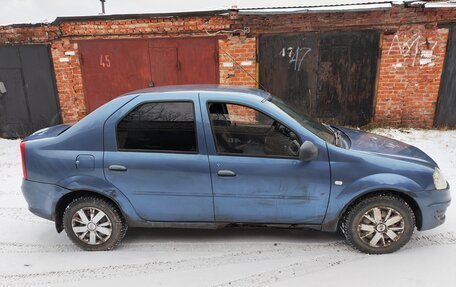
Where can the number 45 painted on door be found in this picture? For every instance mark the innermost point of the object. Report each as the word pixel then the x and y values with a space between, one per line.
pixel 105 62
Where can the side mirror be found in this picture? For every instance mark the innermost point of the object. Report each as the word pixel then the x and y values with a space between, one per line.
pixel 308 151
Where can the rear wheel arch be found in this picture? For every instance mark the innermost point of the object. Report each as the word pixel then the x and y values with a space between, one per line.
pixel 65 200
pixel 402 195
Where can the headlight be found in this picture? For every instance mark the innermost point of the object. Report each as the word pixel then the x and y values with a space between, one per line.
pixel 439 180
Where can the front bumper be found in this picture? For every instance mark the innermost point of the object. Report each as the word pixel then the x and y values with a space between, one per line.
pixel 42 198
pixel 433 205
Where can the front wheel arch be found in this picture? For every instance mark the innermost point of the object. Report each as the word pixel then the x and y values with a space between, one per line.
pixel 65 200
pixel 407 198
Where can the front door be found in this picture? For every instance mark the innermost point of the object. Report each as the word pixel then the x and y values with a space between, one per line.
pixel 256 173
pixel 155 154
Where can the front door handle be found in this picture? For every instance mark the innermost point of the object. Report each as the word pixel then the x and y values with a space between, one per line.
pixel 226 172
pixel 116 167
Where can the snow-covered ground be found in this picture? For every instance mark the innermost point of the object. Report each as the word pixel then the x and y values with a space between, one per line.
pixel 32 253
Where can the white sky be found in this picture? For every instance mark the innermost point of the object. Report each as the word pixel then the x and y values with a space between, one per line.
pixel 33 11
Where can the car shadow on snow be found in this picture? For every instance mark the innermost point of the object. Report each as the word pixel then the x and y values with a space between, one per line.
pixel 250 234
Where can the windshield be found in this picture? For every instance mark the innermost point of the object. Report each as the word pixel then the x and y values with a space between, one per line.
pixel 313 126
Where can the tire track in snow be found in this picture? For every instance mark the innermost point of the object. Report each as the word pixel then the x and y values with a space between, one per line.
pixel 310 265
pixel 322 262
pixel 171 246
pixel 335 253
pixel 442 238
pixel 53 277
pixel 174 246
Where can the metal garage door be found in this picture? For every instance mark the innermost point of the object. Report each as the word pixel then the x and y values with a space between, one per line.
pixel 328 75
pixel 113 67
pixel 28 98
pixel 446 105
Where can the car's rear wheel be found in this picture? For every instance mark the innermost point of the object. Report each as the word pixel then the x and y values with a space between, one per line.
pixel 94 224
pixel 379 224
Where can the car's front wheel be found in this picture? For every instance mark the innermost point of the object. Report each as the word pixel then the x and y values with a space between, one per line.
pixel 94 224
pixel 379 224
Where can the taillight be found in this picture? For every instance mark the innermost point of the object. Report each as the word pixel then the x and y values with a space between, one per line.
pixel 24 167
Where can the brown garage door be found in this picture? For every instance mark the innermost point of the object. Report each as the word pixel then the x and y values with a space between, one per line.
pixel 113 67
pixel 328 75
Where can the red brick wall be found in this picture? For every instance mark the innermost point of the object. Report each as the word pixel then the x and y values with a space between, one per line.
pixel 237 59
pixel 148 27
pixel 350 20
pixel 409 76
pixel 241 115
pixel 28 34
pixel 69 80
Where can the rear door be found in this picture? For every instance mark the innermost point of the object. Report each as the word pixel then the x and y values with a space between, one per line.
pixel 155 153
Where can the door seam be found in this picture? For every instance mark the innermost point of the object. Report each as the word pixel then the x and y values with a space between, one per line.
pixel 207 154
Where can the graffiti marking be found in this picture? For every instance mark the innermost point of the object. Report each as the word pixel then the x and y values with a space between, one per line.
pixel 296 57
pixel 411 48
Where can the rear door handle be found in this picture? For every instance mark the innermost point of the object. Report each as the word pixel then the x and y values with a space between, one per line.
pixel 226 172
pixel 116 167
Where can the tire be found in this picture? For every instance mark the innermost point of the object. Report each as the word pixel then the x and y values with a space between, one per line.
pixel 94 224
pixel 379 225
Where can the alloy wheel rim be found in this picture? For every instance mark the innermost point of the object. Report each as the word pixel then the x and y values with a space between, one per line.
pixel 91 225
pixel 381 226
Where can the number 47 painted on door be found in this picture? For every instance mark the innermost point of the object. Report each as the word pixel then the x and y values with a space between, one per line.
pixel 296 57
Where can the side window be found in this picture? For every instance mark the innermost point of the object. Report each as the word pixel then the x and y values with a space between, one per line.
pixel 242 130
pixel 159 126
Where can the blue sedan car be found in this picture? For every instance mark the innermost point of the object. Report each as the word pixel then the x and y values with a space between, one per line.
pixel 210 156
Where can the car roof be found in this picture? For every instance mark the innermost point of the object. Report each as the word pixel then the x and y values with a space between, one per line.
pixel 202 88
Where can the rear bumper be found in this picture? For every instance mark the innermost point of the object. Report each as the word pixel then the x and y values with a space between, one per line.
pixel 433 206
pixel 42 197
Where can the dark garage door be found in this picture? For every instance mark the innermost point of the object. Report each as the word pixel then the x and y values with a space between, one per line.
pixel 113 67
pixel 446 105
pixel 328 75
pixel 28 98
